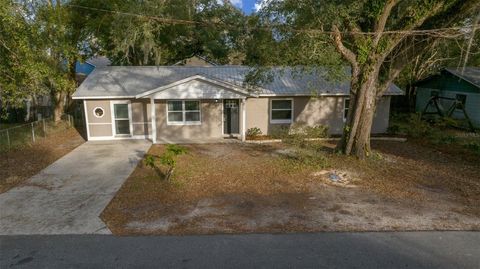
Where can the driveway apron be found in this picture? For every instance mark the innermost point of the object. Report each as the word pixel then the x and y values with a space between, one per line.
pixel 68 196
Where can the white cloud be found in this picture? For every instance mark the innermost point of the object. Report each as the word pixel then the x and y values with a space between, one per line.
pixel 259 4
pixel 237 3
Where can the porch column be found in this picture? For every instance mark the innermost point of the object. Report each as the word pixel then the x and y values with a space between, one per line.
pixel 244 119
pixel 153 115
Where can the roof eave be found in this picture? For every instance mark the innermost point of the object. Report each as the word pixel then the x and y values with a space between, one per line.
pixel 200 77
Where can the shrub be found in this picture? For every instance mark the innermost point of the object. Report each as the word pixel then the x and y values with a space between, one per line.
pixel 473 146
pixel 393 129
pixel 254 132
pixel 279 131
pixel 168 158
pixel 417 127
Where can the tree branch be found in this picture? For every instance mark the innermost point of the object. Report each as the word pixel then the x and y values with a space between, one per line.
pixel 382 21
pixel 346 53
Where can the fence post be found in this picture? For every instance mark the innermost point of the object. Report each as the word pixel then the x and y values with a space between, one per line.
pixel 69 120
pixel 33 134
pixel 44 129
pixel 8 140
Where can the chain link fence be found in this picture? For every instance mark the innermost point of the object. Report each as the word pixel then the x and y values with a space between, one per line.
pixel 30 133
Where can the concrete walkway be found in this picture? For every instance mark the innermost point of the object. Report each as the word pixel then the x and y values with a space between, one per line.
pixel 321 250
pixel 68 196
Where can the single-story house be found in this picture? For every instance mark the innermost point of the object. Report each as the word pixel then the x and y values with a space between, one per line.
pixel 452 84
pixel 177 104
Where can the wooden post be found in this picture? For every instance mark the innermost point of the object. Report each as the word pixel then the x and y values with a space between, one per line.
pixel 8 140
pixel 44 128
pixel 33 134
pixel 244 118
pixel 153 119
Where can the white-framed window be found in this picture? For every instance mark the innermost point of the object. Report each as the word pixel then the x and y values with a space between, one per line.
pixel 183 112
pixel 98 112
pixel 281 111
pixel 346 105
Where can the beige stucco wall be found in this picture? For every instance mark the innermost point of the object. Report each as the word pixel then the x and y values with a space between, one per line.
pixel 210 128
pixel 312 111
pixel 99 126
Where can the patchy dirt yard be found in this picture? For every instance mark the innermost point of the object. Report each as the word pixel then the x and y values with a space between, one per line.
pixel 237 188
pixel 20 164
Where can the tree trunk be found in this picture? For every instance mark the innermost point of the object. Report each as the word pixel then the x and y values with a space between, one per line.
pixel 59 105
pixel 363 100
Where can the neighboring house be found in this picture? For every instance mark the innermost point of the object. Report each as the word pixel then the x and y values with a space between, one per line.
pixel 195 60
pixel 451 83
pixel 208 103
pixel 82 70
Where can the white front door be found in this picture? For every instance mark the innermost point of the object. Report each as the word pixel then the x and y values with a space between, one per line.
pixel 121 115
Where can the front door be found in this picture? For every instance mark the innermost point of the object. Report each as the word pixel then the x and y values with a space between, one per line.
pixel 122 119
pixel 231 116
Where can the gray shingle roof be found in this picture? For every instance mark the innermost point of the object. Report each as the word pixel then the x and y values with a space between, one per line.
pixel 129 81
pixel 471 74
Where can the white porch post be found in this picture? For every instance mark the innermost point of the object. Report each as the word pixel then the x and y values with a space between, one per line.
pixel 153 116
pixel 244 119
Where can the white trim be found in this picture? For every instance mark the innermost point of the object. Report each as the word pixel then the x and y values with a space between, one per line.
pixel 178 82
pixel 100 123
pixel 103 97
pixel 95 114
pixel 153 120
pixel 112 110
pixel 244 118
pixel 344 107
pixel 250 94
pixel 272 121
pixel 183 111
pixel 133 137
pixel 86 119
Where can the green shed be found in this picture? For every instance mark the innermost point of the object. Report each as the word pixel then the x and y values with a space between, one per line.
pixel 453 84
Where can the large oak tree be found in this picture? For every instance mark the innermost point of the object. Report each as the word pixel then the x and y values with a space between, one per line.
pixel 377 38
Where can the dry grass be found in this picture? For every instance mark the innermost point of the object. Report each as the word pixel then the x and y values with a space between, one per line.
pixel 232 188
pixel 20 164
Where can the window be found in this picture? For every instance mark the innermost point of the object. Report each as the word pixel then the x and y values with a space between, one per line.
pixel 346 105
pixel 281 111
pixel 98 112
pixel 462 98
pixel 183 112
pixel 122 121
pixel 434 93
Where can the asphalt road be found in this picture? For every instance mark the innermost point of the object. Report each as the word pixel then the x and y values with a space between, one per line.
pixel 321 250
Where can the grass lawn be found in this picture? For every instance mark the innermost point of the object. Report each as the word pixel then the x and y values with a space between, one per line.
pixel 19 164
pixel 237 188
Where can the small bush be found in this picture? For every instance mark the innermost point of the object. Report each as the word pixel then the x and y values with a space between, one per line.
pixel 317 131
pixel 168 158
pixel 446 139
pixel 254 132
pixel 394 129
pixel 279 131
pixel 417 127
pixel 473 146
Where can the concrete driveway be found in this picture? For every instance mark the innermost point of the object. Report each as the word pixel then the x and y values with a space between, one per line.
pixel 68 196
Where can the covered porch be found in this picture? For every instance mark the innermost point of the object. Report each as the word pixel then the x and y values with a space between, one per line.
pixel 197 110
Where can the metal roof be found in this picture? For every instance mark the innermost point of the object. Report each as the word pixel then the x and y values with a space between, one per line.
pixel 130 81
pixel 471 74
